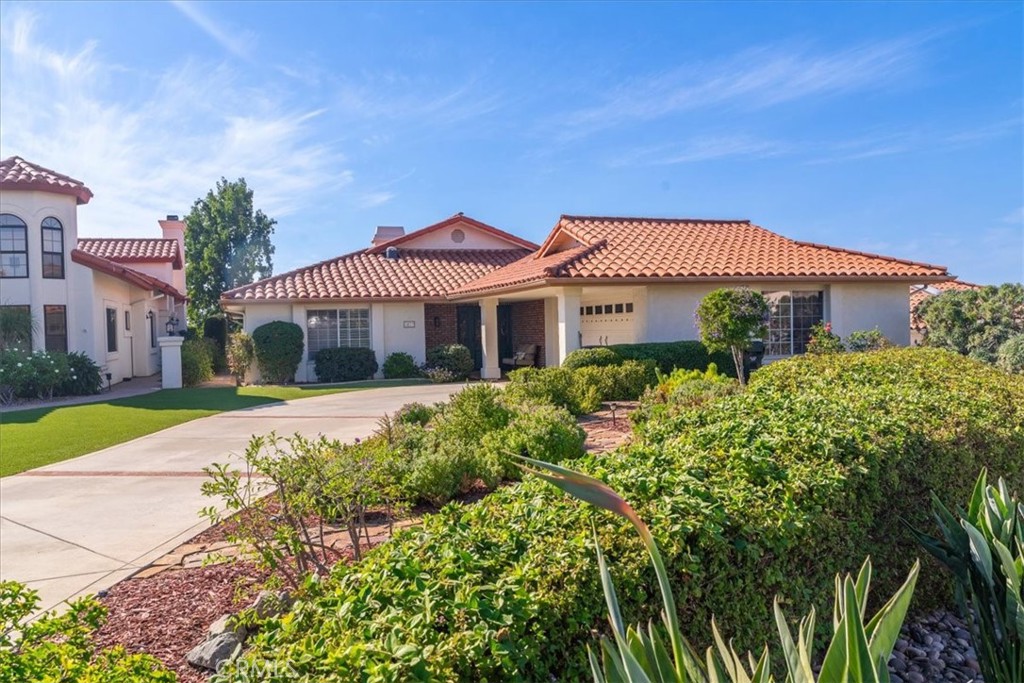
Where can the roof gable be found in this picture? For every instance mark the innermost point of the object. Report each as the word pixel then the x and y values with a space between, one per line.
pixel 126 274
pixel 18 174
pixel 476 235
pixel 132 250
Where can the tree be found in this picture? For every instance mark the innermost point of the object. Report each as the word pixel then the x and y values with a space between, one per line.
pixel 227 245
pixel 974 322
pixel 729 319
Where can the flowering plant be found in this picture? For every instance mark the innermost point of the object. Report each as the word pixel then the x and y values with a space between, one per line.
pixel 823 340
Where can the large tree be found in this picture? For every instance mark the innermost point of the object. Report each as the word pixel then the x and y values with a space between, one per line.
pixel 227 244
pixel 974 322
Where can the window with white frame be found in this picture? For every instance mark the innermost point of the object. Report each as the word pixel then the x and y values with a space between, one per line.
pixel 332 328
pixel 793 313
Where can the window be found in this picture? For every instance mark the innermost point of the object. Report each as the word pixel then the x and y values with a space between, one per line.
pixel 331 328
pixel 56 324
pixel 53 249
pixel 16 327
pixel 13 246
pixel 111 330
pixel 792 315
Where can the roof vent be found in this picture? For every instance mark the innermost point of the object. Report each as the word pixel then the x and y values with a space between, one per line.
pixel 391 253
pixel 386 233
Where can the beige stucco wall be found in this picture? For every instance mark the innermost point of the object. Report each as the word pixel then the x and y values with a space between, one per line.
pixel 442 239
pixel 863 306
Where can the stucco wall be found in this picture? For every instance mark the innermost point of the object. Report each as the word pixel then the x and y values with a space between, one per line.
pixel 863 306
pixel 442 239
pixel 670 310
pixel 398 336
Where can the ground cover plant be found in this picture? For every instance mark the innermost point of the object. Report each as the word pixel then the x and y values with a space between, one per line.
pixel 772 491
pixel 27 435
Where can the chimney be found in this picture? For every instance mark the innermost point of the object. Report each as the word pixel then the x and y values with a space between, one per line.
pixel 386 233
pixel 174 229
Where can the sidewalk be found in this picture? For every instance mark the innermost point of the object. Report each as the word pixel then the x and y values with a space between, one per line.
pixel 135 387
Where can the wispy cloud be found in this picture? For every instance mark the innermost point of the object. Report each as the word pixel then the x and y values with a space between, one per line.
pixel 754 78
pixel 701 148
pixel 168 144
pixel 238 43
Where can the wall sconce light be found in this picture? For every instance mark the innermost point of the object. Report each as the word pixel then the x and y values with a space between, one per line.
pixel 171 324
pixel 437 321
pixel 149 315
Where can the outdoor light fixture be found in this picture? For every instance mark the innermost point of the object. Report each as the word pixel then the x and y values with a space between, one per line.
pixel 172 323
pixel 437 321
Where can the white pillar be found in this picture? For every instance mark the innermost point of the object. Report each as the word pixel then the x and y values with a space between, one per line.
pixel 377 340
pixel 170 361
pixel 489 338
pixel 568 304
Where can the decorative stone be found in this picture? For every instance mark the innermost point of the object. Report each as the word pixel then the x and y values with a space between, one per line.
pixel 226 624
pixel 270 604
pixel 213 652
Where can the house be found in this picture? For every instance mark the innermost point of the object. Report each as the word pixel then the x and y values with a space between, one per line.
pixel 919 293
pixel 595 280
pixel 108 298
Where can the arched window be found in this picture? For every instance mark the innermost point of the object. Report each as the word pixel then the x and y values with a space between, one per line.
pixel 53 249
pixel 13 246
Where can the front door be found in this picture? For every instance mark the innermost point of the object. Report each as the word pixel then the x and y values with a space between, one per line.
pixel 468 332
pixel 505 349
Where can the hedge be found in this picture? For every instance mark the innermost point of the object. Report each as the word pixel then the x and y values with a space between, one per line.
pixel 686 355
pixel 772 490
pixel 279 347
pixel 400 365
pixel 344 364
pixel 197 361
pixel 455 358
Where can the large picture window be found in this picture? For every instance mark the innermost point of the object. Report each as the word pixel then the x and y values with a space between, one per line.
pixel 13 246
pixel 56 324
pixel 111 330
pixel 53 249
pixel 792 316
pixel 332 328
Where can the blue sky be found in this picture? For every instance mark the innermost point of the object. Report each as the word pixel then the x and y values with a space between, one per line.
pixel 894 128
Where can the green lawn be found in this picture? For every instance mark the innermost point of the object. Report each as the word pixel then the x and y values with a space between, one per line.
pixel 37 437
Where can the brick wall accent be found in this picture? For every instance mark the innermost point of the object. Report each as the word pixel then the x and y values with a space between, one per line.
pixel 528 326
pixel 447 333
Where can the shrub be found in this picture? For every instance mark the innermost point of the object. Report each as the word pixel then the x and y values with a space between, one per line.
pixel 583 390
pixel 823 339
pixel 681 390
pixel 867 340
pixel 400 365
pixel 196 361
pixel 729 319
pixel 49 371
pixel 60 647
pixel 415 413
pixel 279 347
pixel 83 376
pixel 439 375
pixel 1011 354
pixel 687 355
pixel 455 358
pixel 543 386
pixel 15 374
pixel 241 352
pixel 769 491
pixel 597 357
pixel 539 431
pixel 345 364
pixel 974 322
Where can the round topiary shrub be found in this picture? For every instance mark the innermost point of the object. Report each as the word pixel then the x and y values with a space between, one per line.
pixel 597 357
pixel 455 358
pixel 345 364
pixel 279 347
pixel 1011 354
pixel 400 365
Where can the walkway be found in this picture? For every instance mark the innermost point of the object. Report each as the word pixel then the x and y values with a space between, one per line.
pixel 81 525
pixel 134 387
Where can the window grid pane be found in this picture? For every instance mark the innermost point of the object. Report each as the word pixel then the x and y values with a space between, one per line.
pixel 321 330
pixel 56 328
pixel 13 246
pixel 111 330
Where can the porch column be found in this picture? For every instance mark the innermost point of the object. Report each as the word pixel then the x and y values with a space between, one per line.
pixel 377 340
pixel 170 361
pixel 489 338
pixel 568 304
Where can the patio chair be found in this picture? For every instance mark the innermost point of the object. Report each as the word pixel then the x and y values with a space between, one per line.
pixel 524 357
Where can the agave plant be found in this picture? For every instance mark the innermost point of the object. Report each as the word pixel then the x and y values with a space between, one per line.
pixel 985 552
pixel 858 652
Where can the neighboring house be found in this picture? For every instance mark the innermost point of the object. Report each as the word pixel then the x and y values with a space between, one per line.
pixel 107 298
pixel 594 281
pixel 918 293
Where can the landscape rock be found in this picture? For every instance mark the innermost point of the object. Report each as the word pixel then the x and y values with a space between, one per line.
pixel 226 624
pixel 271 604
pixel 934 647
pixel 213 652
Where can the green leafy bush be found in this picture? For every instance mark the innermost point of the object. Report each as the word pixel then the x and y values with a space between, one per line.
pixel 688 355
pixel 681 390
pixel 1011 354
pixel 196 361
pixel 583 390
pixel 46 374
pixel 400 365
pixel 596 357
pixel 823 339
pixel 538 431
pixel 60 647
pixel 279 347
pixel 770 491
pixel 415 413
pixel 729 318
pixel 83 376
pixel 455 358
pixel 241 352
pixel 345 364
pixel 974 322
pixel 867 340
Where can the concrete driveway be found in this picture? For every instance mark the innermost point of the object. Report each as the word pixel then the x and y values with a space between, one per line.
pixel 81 525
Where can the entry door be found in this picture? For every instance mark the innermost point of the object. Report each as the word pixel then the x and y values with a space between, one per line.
pixel 468 322
pixel 505 349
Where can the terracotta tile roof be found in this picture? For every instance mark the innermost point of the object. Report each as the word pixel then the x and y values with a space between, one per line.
pixel 452 220
pixel 122 272
pixel 18 174
pixel 364 275
pixel 609 248
pixel 144 250
pixel 918 293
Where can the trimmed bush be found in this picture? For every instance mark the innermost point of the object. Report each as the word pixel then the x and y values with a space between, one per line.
pixel 1011 354
pixel 688 355
pixel 773 490
pixel 279 346
pixel 867 340
pixel 597 357
pixel 197 361
pixel 83 377
pixel 583 390
pixel 455 358
pixel 400 365
pixel 345 364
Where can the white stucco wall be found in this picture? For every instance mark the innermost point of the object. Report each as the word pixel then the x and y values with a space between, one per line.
pixel 442 239
pixel 399 337
pixel 110 292
pixel 863 306
pixel 670 310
